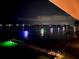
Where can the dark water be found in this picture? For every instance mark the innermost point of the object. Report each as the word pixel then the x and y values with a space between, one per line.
pixel 51 37
pixel 54 39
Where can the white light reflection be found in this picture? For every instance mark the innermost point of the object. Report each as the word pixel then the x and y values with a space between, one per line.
pixel 58 29
pixel 51 30
pixel 63 28
pixel 23 25
pixel 9 25
pixel 74 28
pixel 42 31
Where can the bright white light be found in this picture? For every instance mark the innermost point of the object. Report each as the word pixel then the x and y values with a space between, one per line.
pixel 42 32
pixel 51 30
pixel 25 33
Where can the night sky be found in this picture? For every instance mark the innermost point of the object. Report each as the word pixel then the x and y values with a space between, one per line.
pixel 23 10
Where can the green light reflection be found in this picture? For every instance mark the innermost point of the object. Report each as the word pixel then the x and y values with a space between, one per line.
pixel 8 44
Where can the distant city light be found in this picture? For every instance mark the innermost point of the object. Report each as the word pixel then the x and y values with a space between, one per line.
pixel 17 25
pixel 1 25
pixel 42 31
pixel 25 33
pixel 22 24
pixel 8 25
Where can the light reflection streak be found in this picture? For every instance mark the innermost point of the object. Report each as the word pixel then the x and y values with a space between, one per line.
pixel 42 31
pixel 25 33
pixel 58 29
pixel 74 28
pixel 63 28
pixel 52 53
pixel 51 30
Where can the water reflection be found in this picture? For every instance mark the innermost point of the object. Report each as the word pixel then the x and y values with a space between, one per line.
pixel 58 29
pixel 63 29
pixel 54 36
pixel 42 31
pixel 51 30
pixel 74 28
pixel 54 33
pixel 25 33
